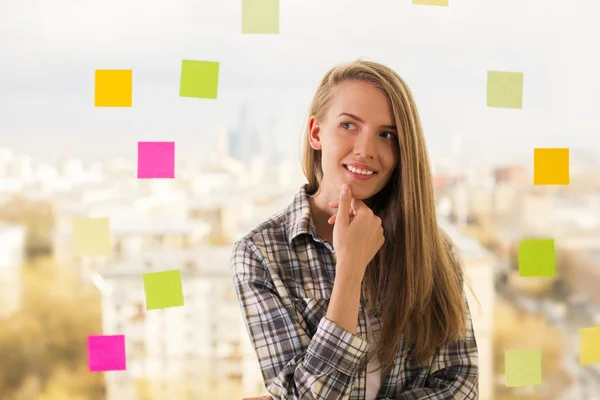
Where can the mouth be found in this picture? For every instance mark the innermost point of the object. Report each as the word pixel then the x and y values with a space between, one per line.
pixel 358 175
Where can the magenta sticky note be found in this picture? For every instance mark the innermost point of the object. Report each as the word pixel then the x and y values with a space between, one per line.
pixel 156 160
pixel 106 353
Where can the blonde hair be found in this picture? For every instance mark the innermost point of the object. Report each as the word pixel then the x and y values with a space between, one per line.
pixel 415 281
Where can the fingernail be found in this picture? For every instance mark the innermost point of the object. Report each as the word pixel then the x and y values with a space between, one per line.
pixel 344 188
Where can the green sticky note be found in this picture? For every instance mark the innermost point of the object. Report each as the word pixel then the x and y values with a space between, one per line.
pixel 199 79
pixel 589 345
pixel 443 3
pixel 91 236
pixel 523 367
pixel 505 89
pixel 163 289
pixel 537 257
pixel 260 16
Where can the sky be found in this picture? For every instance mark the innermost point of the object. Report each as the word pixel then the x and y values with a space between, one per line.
pixel 49 51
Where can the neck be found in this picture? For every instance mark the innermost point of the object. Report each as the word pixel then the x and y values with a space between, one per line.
pixel 320 212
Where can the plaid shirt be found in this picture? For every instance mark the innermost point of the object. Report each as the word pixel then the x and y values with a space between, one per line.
pixel 283 274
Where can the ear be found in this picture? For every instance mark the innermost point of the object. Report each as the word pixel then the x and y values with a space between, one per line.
pixel 314 133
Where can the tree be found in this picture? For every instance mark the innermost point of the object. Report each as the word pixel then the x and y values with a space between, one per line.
pixel 38 219
pixel 515 329
pixel 46 340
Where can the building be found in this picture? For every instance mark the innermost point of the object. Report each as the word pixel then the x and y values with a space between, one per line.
pixel 513 175
pixel 479 265
pixel 136 226
pixel 12 247
pixel 190 352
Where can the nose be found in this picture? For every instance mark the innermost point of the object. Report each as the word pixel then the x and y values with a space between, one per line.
pixel 364 146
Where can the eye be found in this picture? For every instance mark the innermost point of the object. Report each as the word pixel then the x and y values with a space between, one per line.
pixel 344 124
pixel 392 135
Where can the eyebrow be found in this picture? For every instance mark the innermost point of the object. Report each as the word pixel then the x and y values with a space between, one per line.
pixel 362 122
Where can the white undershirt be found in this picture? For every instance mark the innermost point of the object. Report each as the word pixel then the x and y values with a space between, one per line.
pixel 373 378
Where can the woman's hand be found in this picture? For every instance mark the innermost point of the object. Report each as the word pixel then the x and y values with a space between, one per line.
pixel 335 204
pixel 356 241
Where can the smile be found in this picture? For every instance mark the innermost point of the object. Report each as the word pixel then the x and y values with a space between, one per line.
pixel 359 174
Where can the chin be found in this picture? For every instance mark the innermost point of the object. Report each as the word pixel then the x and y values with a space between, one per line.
pixel 361 194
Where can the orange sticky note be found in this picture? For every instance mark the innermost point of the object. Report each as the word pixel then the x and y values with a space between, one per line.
pixel 114 88
pixel 551 166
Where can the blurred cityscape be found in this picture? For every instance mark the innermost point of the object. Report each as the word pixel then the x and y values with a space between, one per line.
pixel 50 299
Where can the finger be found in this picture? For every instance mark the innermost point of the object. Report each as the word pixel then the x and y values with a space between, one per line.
pixel 334 204
pixel 331 220
pixel 352 211
pixel 358 204
pixel 343 216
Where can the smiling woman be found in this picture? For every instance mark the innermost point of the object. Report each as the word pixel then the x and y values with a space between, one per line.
pixel 369 307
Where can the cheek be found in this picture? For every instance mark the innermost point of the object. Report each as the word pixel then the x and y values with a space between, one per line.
pixel 391 160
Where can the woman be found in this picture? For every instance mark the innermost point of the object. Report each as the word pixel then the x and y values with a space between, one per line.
pixel 353 292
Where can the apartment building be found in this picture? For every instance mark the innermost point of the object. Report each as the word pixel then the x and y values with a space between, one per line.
pixel 190 352
pixel 480 269
pixel 134 229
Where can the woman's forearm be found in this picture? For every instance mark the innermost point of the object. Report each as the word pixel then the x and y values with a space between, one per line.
pixel 345 299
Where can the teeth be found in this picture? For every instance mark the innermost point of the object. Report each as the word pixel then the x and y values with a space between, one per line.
pixel 359 171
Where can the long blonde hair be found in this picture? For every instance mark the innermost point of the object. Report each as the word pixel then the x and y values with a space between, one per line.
pixel 415 282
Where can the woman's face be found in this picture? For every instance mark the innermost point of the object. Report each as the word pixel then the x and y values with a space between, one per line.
pixel 357 134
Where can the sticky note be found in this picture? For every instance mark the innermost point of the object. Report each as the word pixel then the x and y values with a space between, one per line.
pixel 523 367
pixel 589 345
pixel 91 236
pixel 163 289
pixel 505 89
pixel 106 353
pixel 551 166
pixel 431 2
pixel 113 88
pixel 199 79
pixel 537 257
pixel 260 16
pixel 156 160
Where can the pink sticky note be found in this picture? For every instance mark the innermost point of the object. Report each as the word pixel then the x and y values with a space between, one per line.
pixel 156 160
pixel 106 353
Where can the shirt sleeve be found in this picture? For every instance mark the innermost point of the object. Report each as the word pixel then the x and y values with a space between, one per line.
pixel 293 365
pixel 454 371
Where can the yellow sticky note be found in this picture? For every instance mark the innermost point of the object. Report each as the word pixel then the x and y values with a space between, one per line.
pixel 260 16
pixel 505 89
pixel 523 367
pixel 551 166
pixel 589 345
pixel 114 88
pixel 443 3
pixel 91 236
